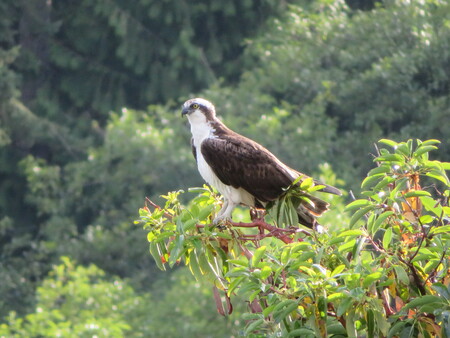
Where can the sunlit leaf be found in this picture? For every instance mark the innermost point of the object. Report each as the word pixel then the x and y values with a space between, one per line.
pixel 357 204
pixel 338 270
pixel 424 149
pixel 257 255
pixel 359 214
pixel 402 275
pixel 379 221
pixel 368 280
pixel 387 238
pixel 388 142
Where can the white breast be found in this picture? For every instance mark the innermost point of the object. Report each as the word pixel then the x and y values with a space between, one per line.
pixel 236 196
pixel 202 130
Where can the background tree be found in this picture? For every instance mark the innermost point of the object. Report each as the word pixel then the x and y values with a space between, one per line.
pixel 305 78
pixel 64 66
pixel 77 301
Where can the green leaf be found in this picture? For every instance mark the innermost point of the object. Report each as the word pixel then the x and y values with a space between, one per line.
pixel 431 205
pixel 383 183
pixel 253 326
pixel 402 275
pixel 424 254
pixel 351 233
pixel 257 255
pixel 240 262
pixel 359 214
pixel 347 246
pixel 285 255
pixel 157 254
pixel 193 265
pixel 344 306
pixel 234 284
pixel 283 313
pixel 357 204
pixel 205 212
pixel 151 236
pixel 268 310
pixel 440 230
pixel 442 290
pixel 295 247
pixel 307 270
pixel 238 272
pixel 336 296
pixel 337 270
pixel 429 142
pixel 302 333
pixel 291 213
pixel 197 190
pixel 307 183
pixel 388 142
pixel 224 235
pixel 372 278
pixel 265 272
pixel 378 171
pixel 390 158
pixel 379 221
pixel 416 193
pixel 251 316
pixel 403 149
pixel 336 330
pixel 370 324
pixel 190 224
pixel 387 238
pixel 370 180
pixel 422 150
pixel 177 250
pixel 424 300
pixel 438 176
pixel 336 240
pixel 204 265
pixel 396 329
pixel 426 219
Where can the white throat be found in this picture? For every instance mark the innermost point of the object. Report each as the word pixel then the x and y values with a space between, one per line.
pixel 201 129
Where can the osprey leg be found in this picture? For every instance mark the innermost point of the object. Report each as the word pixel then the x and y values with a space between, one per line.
pixel 224 207
pixel 225 213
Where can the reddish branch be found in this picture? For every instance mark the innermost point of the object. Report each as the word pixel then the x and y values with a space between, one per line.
pixel 156 206
pixel 273 231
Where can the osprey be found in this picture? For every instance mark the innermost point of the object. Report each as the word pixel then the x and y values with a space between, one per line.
pixel 243 171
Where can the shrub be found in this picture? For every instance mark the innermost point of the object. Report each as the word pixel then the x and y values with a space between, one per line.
pixel 385 272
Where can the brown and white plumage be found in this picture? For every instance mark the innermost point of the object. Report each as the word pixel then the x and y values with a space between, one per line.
pixel 242 170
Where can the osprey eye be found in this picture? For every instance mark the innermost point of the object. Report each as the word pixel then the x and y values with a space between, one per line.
pixel 195 106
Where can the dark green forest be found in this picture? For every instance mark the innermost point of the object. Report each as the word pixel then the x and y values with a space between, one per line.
pixel 90 125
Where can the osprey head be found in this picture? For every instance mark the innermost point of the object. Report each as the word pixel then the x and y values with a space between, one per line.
pixel 198 108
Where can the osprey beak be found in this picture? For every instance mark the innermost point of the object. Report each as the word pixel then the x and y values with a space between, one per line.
pixel 185 111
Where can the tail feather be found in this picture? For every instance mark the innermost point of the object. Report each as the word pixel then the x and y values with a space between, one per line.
pixel 310 208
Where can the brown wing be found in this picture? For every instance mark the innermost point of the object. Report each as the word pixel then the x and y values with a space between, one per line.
pixel 243 163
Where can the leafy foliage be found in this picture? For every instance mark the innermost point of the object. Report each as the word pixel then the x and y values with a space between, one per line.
pixel 385 272
pixel 64 65
pixel 350 77
pixel 313 82
pixel 78 301
pixel 83 301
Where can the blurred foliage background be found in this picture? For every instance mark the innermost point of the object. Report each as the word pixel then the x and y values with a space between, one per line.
pixel 89 125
